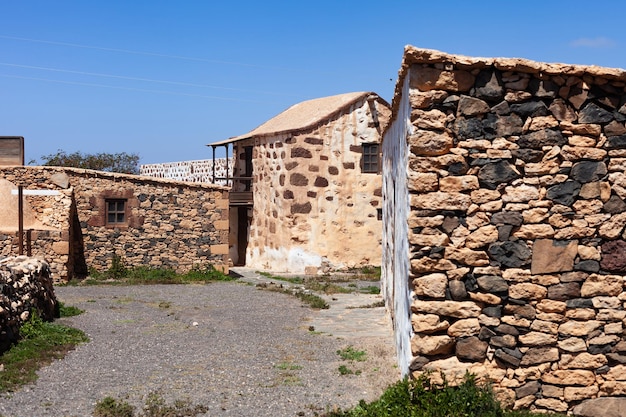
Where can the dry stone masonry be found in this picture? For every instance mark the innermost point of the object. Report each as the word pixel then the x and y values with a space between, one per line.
pixel 168 224
pixel 516 186
pixel 25 288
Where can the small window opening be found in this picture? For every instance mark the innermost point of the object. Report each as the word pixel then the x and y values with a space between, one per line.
pixel 370 157
pixel 116 211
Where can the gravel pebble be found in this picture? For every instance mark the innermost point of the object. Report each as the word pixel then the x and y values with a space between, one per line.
pixel 238 350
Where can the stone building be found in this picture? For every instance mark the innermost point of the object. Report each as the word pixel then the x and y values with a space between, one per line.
pixel 80 219
pixel 504 218
pixel 307 195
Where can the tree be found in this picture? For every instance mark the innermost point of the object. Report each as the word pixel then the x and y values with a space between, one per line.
pixel 111 162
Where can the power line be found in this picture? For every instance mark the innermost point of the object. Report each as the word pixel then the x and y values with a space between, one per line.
pixel 154 54
pixel 123 77
pixel 132 89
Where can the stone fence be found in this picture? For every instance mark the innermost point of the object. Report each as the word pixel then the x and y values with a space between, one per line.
pixel 516 181
pixel 25 287
pixel 191 171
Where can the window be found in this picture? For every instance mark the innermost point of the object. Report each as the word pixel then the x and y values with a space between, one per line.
pixel 115 211
pixel 370 157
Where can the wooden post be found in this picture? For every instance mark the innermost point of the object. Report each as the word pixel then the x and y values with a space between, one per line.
pixel 29 240
pixel 20 221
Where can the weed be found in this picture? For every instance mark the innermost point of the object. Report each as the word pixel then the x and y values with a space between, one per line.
pixel 41 343
pixel 69 311
pixel 314 301
pixel 142 275
pixel 165 304
pixel 110 407
pixel 344 370
pixel 350 354
pixel 155 406
pixel 370 289
pixel 423 398
pixel 380 303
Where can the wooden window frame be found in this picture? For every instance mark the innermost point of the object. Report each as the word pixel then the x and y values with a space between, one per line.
pixel 123 211
pixel 370 159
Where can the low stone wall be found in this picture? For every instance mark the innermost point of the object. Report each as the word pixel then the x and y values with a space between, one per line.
pixel 168 224
pixel 25 287
pixel 516 180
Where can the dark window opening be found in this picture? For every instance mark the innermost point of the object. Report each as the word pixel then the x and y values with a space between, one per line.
pixel 370 157
pixel 379 214
pixel 115 211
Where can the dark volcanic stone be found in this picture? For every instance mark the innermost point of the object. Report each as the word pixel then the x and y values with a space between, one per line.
pixel 510 254
pixel 605 407
pixel 418 363
pixel 564 292
pixel 458 168
pixel 485 333
pixel 616 142
pixel 468 128
pixel 530 109
pixel 528 155
pixel 509 125
pixel 543 88
pixel 529 388
pixel 492 284
pixel 614 205
pixel 592 113
pixel 588 171
pixel 493 174
pixel 579 303
pixel 616 358
pixel 507 217
pixel 599 349
pixel 507 358
pixel 613 256
pixel 472 349
pixel 493 311
pixel 587 266
pixel 504 232
pixel 507 329
pixel 541 138
pixel 457 290
pixel 488 85
pixel 564 193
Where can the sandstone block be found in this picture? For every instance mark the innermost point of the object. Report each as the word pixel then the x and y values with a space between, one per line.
pixel 426 265
pixel 572 344
pixel 428 323
pixel 482 237
pixel 431 119
pixel 605 407
pixel 433 285
pixel 578 328
pixel 441 201
pixel 572 377
pixel 431 345
pixel 583 360
pixel 535 356
pixel 527 291
pixel 466 256
pixel 458 183
pixel 552 404
pixel 426 79
pixel 430 143
pixel 456 309
pixel 595 285
pixel 552 256
pixel 464 328
pixel 537 339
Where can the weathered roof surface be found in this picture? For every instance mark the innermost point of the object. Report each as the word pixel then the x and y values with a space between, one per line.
pixel 304 115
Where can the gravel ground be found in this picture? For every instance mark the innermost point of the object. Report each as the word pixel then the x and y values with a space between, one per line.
pixel 238 350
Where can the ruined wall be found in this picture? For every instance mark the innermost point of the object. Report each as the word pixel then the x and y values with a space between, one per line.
pixel 25 287
pixel 170 224
pixel 516 232
pixel 190 171
pixel 314 209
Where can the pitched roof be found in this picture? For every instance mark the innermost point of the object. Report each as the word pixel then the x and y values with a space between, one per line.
pixel 303 115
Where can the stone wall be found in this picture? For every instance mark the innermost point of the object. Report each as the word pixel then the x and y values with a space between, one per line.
pixel 25 287
pixel 516 233
pixel 190 171
pixel 314 208
pixel 170 224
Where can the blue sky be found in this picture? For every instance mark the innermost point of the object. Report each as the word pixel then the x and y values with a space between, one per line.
pixel 164 78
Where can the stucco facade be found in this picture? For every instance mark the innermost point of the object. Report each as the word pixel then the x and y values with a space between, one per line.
pixel 304 202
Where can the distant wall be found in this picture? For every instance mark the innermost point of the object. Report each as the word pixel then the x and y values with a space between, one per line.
pixel 190 171
pixel 170 224
pixel 517 186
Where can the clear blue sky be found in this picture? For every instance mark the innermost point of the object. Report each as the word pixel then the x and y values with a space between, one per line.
pixel 164 78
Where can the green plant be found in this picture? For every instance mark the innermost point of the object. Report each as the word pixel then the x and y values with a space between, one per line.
pixel 41 342
pixel 117 269
pixel 141 275
pixel 344 370
pixel 288 366
pixel 110 407
pixel 69 311
pixel 314 301
pixel 370 289
pixel 351 354
pixel 423 398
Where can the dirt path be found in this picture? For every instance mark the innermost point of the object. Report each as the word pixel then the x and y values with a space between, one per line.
pixel 236 349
